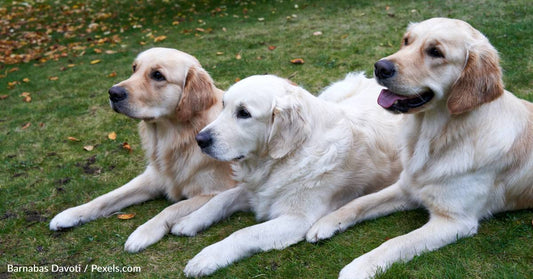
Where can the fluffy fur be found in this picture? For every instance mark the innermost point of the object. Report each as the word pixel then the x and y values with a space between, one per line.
pixel 467 153
pixel 175 98
pixel 296 158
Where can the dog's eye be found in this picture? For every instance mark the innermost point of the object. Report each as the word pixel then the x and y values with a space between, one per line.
pixel 405 41
pixel 243 113
pixel 134 68
pixel 158 76
pixel 435 52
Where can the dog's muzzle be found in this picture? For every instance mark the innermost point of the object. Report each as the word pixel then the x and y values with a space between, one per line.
pixel 117 94
pixel 204 140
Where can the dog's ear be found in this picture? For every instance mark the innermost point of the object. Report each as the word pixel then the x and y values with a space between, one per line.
pixel 479 83
pixel 289 129
pixel 198 94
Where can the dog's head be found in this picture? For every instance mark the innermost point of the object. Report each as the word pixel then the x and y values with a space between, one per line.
pixel 262 116
pixel 165 83
pixel 441 61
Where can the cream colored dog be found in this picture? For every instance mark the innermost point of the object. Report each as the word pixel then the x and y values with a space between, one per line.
pixel 174 98
pixel 467 144
pixel 296 158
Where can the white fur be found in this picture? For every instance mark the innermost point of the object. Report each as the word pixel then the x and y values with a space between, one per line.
pixel 461 166
pixel 297 158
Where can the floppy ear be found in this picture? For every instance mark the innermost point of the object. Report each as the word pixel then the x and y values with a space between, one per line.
pixel 479 83
pixel 289 128
pixel 198 94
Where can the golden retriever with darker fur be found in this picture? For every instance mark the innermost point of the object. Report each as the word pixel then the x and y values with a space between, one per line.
pixel 174 97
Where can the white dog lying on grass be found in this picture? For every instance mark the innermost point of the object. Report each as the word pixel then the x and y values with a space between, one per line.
pixel 296 158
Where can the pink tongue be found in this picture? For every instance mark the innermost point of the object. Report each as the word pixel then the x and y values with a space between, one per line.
pixel 386 98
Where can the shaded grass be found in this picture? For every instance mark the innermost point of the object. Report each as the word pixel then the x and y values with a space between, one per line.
pixel 42 172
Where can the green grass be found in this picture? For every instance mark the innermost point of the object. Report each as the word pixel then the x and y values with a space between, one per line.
pixel 42 172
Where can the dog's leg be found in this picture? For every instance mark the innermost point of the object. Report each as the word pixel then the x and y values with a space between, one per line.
pixel 386 201
pixel 218 208
pixel 157 227
pixel 139 189
pixel 438 232
pixel 277 233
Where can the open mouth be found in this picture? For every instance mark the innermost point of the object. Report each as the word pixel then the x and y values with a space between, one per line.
pixel 402 104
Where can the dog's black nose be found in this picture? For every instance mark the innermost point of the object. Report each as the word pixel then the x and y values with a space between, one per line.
pixel 384 69
pixel 117 94
pixel 204 139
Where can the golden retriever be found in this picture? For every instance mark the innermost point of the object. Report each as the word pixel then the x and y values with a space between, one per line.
pixel 467 145
pixel 174 97
pixel 296 158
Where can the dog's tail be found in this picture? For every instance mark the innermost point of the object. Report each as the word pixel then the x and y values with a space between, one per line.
pixel 354 83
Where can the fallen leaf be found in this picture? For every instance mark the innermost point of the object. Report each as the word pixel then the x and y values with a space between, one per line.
pixel 159 38
pixel 88 148
pixel 126 146
pixel 112 74
pixel 97 50
pixel 26 126
pixel 317 33
pixel 220 52
pixel 110 52
pixel 27 99
pixel 25 94
pixel 297 61
pixel 238 56
pixel 200 29
pixel 13 70
pixel 3 97
pixel 95 61
pixel 73 139
pixel 271 47
pixel 53 78
pixel 71 65
pixel 26 80
pixel 237 79
pixel 125 216
pixel 112 136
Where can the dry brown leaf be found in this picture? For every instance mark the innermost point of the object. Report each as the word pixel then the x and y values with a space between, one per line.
pixel 97 50
pixel 3 97
pixel 26 126
pixel 297 61
pixel 27 99
pixel 53 78
pixel 88 148
pixel 112 74
pixel 112 136
pixel 271 47
pixel 238 56
pixel 73 139
pixel 125 216
pixel 126 146
pixel 26 80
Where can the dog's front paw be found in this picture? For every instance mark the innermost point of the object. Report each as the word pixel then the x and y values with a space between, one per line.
pixel 69 218
pixel 187 226
pixel 358 269
pixel 205 263
pixel 144 236
pixel 323 229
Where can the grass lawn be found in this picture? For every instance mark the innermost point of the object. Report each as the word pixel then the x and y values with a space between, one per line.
pixel 58 59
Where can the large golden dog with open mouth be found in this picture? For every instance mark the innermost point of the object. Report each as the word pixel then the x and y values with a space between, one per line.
pixel 467 144
pixel 174 97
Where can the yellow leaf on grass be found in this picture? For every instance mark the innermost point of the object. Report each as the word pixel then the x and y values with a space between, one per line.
pixel 159 38
pixel 126 216
pixel 95 61
pixel 112 136
pixel 88 148
pixel 112 74
pixel 238 56
pixel 53 78
pixel 26 80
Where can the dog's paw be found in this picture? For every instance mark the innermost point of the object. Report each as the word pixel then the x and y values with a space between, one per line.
pixel 143 237
pixel 187 226
pixel 358 269
pixel 323 229
pixel 204 263
pixel 69 218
